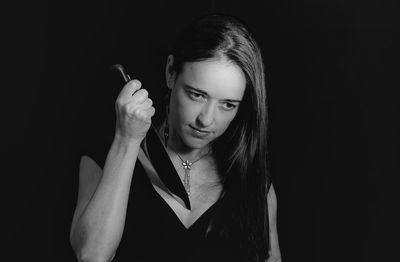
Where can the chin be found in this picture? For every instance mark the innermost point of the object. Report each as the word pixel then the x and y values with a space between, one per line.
pixel 192 143
pixel 195 143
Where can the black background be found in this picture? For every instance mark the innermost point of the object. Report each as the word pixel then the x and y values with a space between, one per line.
pixel 332 77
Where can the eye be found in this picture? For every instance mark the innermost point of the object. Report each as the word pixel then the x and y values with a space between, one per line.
pixel 195 96
pixel 228 106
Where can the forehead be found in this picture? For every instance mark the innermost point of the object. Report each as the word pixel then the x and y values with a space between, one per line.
pixel 220 79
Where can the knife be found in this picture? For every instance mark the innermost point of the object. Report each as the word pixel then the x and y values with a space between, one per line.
pixel 157 154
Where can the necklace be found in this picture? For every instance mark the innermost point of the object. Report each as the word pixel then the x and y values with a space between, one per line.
pixel 187 165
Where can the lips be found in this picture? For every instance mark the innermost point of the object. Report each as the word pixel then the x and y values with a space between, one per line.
pixel 202 131
pixel 198 132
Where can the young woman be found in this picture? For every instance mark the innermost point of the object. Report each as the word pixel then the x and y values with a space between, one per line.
pixel 200 190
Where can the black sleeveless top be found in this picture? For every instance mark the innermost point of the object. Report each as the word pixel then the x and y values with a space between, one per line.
pixel 152 230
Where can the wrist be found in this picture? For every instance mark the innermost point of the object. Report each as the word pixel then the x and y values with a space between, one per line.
pixel 127 141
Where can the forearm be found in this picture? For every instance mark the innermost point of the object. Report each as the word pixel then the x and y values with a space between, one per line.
pixel 98 230
pixel 274 259
pixel 274 251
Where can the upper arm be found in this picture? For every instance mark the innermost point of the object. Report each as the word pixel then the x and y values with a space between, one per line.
pixel 274 252
pixel 89 176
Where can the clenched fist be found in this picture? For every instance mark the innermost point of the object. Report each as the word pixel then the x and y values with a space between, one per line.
pixel 134 110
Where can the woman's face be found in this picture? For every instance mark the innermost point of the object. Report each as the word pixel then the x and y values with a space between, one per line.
pixel 205 98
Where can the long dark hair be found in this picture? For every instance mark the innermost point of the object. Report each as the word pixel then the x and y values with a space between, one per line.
pixel 241 151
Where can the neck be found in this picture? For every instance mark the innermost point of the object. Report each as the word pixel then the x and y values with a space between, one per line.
pixel 175 144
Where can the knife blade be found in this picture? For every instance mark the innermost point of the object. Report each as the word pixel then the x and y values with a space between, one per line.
pixel 159 156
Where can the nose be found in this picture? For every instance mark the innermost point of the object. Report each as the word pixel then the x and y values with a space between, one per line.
pixel 207 115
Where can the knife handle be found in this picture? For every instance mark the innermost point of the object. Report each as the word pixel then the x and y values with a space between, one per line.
pixel 121 69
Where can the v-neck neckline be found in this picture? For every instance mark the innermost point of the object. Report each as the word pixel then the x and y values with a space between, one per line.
pixel 172 212
pixel 165 169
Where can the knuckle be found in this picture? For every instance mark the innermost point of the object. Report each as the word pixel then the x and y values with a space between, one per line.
pixel 142 115
pixel 136 112
pixel 129 108
pixel 118 102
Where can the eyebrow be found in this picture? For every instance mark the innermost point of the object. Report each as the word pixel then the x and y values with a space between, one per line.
pixel 186 86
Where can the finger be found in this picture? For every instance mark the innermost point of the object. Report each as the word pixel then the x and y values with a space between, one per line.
pixel 144 114
pixel 129 89
pixel 149 113
pixel 140 96
pixel 147 103
pixel 145 106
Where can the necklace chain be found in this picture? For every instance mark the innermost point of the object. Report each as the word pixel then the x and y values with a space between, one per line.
pixel 186 164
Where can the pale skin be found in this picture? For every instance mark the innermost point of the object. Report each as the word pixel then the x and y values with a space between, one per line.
pixel 206 95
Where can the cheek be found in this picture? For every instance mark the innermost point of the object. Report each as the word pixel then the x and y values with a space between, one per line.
pixel 182 108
